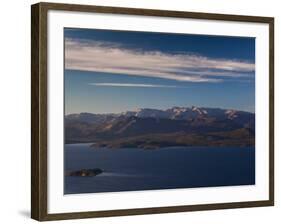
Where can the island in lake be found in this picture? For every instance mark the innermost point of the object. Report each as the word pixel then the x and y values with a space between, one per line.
pixel 85 172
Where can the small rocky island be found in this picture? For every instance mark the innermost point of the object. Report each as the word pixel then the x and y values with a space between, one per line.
pixel 85 172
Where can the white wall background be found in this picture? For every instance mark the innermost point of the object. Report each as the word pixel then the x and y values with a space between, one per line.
pixel 15 112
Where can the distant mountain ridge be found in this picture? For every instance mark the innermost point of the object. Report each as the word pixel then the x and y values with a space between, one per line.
pixel 131 126
pixel 171 113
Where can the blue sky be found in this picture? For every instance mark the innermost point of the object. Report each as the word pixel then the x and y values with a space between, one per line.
pixel 115 71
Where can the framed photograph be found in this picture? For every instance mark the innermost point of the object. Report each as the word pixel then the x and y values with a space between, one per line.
pixel 138 111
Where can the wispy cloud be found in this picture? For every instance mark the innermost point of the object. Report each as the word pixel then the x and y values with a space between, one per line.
pixel 134 85
pixel 113 58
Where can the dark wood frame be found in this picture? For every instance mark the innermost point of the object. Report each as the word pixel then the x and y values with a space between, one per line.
pixel 39 110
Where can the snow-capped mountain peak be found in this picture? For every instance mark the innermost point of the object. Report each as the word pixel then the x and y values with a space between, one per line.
pixel 231 114
pixel 199 110
pixel 184 113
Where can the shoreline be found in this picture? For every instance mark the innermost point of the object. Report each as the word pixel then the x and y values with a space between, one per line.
pixel 159 148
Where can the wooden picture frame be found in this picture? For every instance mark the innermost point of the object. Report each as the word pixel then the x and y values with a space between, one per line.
pixel 39 109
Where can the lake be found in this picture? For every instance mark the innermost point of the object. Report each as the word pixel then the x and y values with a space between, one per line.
pixel 166 168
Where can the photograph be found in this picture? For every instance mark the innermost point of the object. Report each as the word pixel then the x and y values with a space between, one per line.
pixel 140 111
pixel 157 111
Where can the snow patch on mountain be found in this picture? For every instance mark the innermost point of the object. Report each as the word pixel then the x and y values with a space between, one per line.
pixel 182 113
pixel 231 114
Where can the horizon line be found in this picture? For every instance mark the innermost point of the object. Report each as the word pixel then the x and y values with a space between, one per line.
pixel 162 109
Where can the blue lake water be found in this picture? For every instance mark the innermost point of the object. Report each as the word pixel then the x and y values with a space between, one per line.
pixel 166 168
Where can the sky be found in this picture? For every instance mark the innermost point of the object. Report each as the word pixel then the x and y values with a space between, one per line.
pixel 110 71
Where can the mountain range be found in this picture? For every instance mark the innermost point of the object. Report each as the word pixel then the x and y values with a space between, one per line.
pixel 154 128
